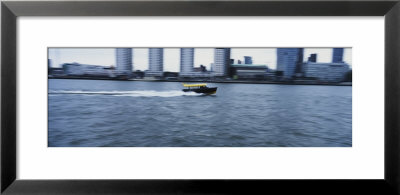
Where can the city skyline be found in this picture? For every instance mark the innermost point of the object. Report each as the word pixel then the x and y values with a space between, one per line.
pixel 202 56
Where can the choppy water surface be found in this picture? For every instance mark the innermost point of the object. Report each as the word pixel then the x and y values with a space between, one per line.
pixel 159 114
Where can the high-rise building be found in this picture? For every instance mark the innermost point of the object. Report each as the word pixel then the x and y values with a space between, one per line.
pixel 248 60
pixel 312 58
pixel 289 61
pixel 55 56
pixel 222 58
pixel 124 60
pixel 49 66
pixel 187 61
pixel 299 63
pixel 156 62
pixel 337 56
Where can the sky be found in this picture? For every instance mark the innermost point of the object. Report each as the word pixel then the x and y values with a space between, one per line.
pixel 203 56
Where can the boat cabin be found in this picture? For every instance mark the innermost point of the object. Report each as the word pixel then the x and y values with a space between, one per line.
pixel 195 85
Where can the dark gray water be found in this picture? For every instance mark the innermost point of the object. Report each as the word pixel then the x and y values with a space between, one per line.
pixel 159 114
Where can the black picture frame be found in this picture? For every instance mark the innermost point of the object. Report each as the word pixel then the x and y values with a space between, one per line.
pixel 10 10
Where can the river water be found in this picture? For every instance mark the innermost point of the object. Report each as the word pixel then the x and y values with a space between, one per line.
pixel 106 113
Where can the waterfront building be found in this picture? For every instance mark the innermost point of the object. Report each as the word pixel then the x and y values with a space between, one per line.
pixel 249 71
pixel 87 70
pixel 299 64
pixel 248 60
pixel 193 74
pixel 156 62
pixel 187 61
pixel 138 74
pixel 202 68
pixel 124 61
pixel 171 75
pixel 53 71
pixel 312 58
pixel 55 57
pixel 337 56
pixel 222 58
pixel 289 61
pixel 48 66
pixel 326 72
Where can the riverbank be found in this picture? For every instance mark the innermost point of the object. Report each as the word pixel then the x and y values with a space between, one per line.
pixel 294 82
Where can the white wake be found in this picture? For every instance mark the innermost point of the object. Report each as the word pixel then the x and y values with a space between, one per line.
pixel 144 93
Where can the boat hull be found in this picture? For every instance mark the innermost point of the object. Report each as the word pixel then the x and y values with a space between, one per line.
pixel 210 90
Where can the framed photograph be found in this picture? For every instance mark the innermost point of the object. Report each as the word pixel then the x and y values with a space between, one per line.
pixel 199 97
pixel 228 82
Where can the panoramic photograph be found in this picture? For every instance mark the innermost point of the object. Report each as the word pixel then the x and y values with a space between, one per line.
pixel 199 97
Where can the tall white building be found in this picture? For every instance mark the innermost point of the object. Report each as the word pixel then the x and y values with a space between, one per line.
pixel 221 61
pixel 187 61
pixel 156 62
pixel 55 57
pixel 124 60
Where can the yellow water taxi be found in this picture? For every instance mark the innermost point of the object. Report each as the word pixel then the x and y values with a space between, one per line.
pixel 199 88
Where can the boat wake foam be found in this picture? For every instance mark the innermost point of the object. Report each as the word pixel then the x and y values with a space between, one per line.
pixel 145 93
